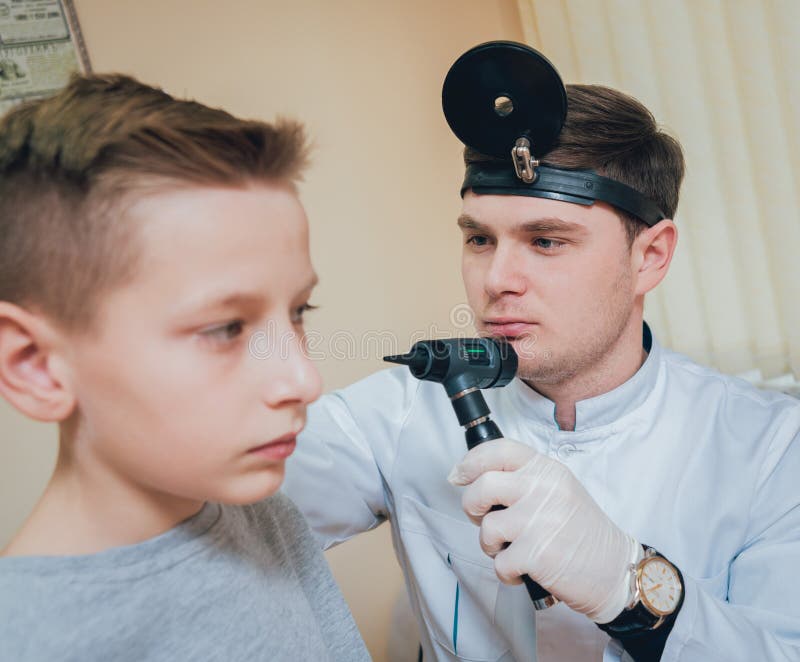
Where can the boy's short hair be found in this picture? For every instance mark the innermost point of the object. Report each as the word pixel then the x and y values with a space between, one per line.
pixel 69 165
pixel 616 136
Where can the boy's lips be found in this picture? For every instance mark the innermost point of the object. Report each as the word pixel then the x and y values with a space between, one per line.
pixel 277 449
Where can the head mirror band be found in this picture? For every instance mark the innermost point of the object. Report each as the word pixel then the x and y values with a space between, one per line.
pixel 582 187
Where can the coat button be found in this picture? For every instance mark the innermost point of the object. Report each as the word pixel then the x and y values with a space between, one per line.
pixel 566 451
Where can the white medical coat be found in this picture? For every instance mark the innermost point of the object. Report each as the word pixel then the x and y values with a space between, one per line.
pixel 701 466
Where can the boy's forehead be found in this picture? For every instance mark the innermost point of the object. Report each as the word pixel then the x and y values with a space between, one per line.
pixel 213 220
pixel 239 295
pixel 216 242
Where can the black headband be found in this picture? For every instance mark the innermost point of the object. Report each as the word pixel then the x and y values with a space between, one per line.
pixel 506 100
pixel 582 187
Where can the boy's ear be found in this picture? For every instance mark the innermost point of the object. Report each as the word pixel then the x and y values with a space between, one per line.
pixel 653 249
pixel 33 376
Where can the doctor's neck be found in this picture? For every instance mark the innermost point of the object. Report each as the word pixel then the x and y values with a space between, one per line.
pixel 600 374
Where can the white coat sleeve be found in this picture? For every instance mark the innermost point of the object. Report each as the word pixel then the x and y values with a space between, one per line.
pixel 338 475
pixel 760 617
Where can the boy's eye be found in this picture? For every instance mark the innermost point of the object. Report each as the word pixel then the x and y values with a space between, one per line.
pixel 224 332
pixel 300 311
pixel 478 240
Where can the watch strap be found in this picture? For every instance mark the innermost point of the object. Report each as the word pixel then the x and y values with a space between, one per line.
pixel 636 619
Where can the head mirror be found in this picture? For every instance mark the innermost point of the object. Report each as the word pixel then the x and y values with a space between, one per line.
pixel 507 101
pixel 498 92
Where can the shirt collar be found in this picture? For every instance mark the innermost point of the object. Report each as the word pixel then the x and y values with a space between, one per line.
pixel 600 410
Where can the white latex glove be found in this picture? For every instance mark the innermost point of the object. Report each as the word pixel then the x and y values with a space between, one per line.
pixel 559 536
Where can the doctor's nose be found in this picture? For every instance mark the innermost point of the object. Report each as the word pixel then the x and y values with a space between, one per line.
pixel 291 377
pixel 505 275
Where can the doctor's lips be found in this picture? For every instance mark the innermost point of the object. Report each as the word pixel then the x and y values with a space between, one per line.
pixel 508 327
pixel 277 449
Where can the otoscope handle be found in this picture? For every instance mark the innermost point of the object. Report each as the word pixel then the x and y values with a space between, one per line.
pixel 540 597
pixel 484 431
pixel 487 430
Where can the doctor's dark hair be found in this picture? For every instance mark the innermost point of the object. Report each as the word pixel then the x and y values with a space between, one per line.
pixel 71 164
pixel 616 136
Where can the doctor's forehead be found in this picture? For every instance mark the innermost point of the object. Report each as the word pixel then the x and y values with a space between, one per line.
pixel 527 223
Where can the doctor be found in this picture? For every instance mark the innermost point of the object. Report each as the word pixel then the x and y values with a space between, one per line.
pixel 657 499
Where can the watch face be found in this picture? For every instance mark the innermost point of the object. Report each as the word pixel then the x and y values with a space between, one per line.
pixel 660 586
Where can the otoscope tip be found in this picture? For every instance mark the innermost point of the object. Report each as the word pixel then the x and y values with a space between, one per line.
pixel 402 359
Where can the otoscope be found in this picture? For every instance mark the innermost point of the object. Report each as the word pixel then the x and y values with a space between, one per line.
pixel 464 366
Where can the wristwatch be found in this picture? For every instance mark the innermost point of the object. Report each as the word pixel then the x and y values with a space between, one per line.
pixel 656 594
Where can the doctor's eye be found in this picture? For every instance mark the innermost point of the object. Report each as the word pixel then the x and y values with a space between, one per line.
pixel 547 244
pixel 477 240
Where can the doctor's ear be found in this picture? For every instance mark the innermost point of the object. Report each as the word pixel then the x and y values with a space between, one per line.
pixel 33 376
pixel 652 252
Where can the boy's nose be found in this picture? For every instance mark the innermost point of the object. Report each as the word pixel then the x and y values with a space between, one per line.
pixel 291 377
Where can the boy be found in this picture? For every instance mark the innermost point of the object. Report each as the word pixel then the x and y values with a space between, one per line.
pixel 143 240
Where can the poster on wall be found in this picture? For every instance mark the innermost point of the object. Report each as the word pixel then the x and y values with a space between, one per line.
pixel 40 48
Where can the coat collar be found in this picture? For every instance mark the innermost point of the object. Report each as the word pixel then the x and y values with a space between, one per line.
pixel 600 410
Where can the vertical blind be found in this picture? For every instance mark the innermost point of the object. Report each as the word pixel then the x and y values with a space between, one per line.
pixel 721 76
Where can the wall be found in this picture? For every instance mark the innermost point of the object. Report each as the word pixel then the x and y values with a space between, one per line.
pixel 382 194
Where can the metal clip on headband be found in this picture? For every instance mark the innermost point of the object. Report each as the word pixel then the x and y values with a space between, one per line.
pixel 524 163
pixel 503 96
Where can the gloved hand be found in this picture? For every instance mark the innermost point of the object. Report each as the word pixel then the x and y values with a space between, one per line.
pixel 559 536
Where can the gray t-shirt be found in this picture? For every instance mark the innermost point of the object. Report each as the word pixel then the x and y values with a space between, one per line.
pixel 231 583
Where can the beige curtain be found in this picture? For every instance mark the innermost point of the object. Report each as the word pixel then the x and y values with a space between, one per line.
pixel 721 76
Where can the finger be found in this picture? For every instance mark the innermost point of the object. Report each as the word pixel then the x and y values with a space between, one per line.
pixel 509 565
pixel 491 489
pixel 497 530
pixel 505 571
pixel 501 528
pixel 495 455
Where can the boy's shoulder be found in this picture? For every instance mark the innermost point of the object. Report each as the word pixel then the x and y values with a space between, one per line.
pixel 175 596
pixel 272 521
